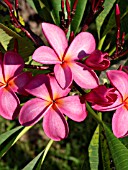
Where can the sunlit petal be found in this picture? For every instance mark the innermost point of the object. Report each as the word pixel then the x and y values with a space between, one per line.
pixel 63 75
pixel 54 124
pixel 83 76
pixel 119 80
pixel 120 122
pixel 9 104
pixel 45 55
pixel 73 107
pixel 82 45
pixel 55 90
pixel 33 111
pixel 56 37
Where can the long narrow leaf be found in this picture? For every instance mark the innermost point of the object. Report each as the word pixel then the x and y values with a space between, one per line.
pixel 39 159
pixel 8 139
pixel 118 150
pixel 6 135
pixel 105 152
pixel 108 4
pixel 94 150
pixel 78 15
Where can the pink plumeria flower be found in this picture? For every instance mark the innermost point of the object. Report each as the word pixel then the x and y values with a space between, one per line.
pixel 113 100
pixel 11 81
pixel 65 59
pixel 98 60
pixel 51 103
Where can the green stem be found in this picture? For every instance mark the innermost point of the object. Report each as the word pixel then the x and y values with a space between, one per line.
pixel 101 42
pixel 21 134
pixel 95 116
pixel 46 150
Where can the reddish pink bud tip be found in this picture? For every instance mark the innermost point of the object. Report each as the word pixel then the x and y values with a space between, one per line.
pixel 117 9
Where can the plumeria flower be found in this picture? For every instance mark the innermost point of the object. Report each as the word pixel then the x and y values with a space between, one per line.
pixel 67 68
pixel 98 60
pixel 11 81
pixel 52 104
pixel 113 100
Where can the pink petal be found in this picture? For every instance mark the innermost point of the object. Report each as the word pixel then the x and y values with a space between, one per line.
pixel 120 122
pixel 9 104
pixel 63 75
pixel 81 46
pixel 45 55
pixel 83 76
pixel 55 126
pixel 17 83
pixel 73 107
pixel 37 87
pixel 1 69
pixel 55 90
pixel 33 111
pixel 117 104
pixel 13 64
pixel 119 80
pixel 56 37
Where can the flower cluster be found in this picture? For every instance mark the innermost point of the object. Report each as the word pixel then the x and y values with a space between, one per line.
pixel 75 62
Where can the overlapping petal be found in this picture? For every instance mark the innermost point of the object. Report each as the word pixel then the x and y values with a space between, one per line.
pixel 54 124
pixel 63 75
pixel 9 104
pixel 83 76
pixel 45 55
pixel 119 80
pixel 17 83
pixel 37 87
pixel 33 111
pixel 56 37
pixel 82 45
pixel 12 64
pixel 120 122
pixel 73 107
pixel 55 90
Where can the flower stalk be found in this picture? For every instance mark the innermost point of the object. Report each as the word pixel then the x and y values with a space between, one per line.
pixel 15 21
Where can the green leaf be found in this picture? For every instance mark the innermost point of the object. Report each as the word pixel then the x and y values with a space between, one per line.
pixel 4 39
pixel 78 15
pixel 6 135
pixel 105 152
pixel 33 163
pixel 123 16
pixel 32 4
pixel 94 150
pixel 42 8
pixel 118 150
pixel 9 138
pixel 108 4
pixel 56 7
pixel 39 159
pixel 7 36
